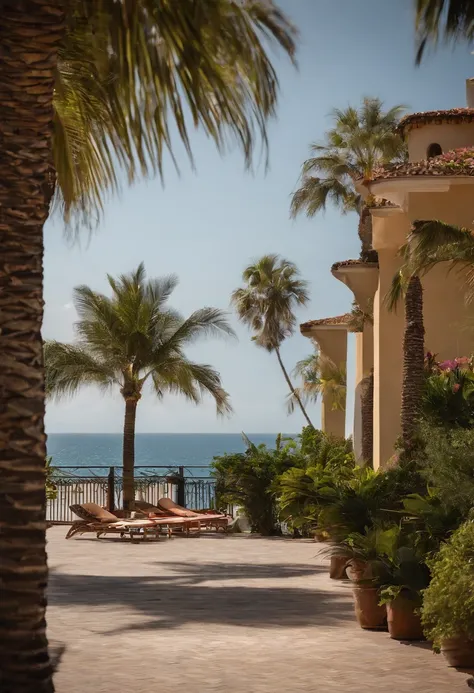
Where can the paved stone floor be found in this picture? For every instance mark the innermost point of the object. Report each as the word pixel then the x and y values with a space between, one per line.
pixel 233 614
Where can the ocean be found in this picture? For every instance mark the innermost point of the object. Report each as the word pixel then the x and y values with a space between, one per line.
pixel 190 450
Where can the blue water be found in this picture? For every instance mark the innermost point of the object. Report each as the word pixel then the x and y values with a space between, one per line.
pixel 169 450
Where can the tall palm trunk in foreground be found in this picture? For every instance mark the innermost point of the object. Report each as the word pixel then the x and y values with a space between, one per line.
pixel 293 391
pixel 413 361
pixel 30 31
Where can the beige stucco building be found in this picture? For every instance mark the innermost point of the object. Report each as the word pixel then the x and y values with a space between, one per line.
pixel 437 182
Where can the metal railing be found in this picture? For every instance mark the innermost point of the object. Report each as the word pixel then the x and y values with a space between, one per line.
pixel 104 486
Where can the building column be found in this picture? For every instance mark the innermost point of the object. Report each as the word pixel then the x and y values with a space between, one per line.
pixel 332 342
pixel 390 230
pixel 362 279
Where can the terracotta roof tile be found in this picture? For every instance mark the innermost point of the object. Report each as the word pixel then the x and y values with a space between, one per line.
pixel 353 263
pixel 453 115
pixel 457 162
pixel 336 320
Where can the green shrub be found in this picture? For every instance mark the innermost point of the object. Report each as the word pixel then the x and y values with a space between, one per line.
pixel 448 465
pixel 246 479
pixel 448 603
pixel 324 462
pixel 258 479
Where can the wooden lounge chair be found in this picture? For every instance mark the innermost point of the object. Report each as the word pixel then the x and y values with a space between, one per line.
pixel 100 521
pixel 206 518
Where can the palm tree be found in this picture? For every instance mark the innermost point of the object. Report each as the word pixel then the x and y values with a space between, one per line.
pixel 130 341
pixel 432 242
pixel 452 19
pixel 407 283
pixel 320 377
pixel 272 290
pixel 88 89
pixel 360 141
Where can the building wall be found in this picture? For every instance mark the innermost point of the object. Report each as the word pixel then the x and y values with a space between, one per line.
pixel 333 344
pixel 447 317
pixel 447 136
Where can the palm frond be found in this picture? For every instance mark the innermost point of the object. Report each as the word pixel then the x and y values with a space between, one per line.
pixel 360 140
pixel 191 380
pixel 450 20
pixel 69 367
pixel 397 291
pixel 320 376
pixel 129 70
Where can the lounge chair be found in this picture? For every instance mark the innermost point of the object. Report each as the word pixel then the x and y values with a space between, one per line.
pixel 100 521
pixel 207 518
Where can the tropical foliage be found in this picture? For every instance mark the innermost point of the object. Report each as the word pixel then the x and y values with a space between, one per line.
pixel 450 20
pixel 266 303
pixel 320 377
pixel 448 396
pixel 126 70
pixel 361 140
pixel 448 603
pixel 133 340
pixel 432 242
pixel 246 479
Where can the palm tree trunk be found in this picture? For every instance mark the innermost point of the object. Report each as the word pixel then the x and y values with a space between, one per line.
pixel 413 362
pixel 129 453
pixel 30 32
pixel 292 389
pixel 367 253
pixel 367 415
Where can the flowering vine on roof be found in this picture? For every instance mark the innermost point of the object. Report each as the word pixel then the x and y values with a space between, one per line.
pixel 457 162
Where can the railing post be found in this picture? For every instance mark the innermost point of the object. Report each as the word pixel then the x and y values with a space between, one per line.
pixel 181 494
pixel 111 490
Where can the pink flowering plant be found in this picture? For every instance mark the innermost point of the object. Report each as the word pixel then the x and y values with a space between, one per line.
pixel 449 391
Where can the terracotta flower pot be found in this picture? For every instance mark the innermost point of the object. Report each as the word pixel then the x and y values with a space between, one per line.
pixel 403 622
pixel 458 652
pixel 337 569
pixel 369 613
pixel 357 570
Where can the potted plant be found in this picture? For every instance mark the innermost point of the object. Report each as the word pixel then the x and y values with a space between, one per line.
pixel 447 612
pixel 406 575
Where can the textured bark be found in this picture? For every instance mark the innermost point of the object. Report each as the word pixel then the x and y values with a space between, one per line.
pixel 413 362
pixel 292 389
pixel 367 416
pixel 30 32
pixel 129 453
pixel 367 253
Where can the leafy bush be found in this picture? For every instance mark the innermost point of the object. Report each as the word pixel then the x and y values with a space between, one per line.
pixel 302 490
pixel 448 465
pixel 448 602
pixel 266 482
pixel 246 479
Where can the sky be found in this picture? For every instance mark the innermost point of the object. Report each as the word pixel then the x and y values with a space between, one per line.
pixel 206 225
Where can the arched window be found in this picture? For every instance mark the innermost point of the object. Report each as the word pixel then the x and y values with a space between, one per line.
pixel 434 150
